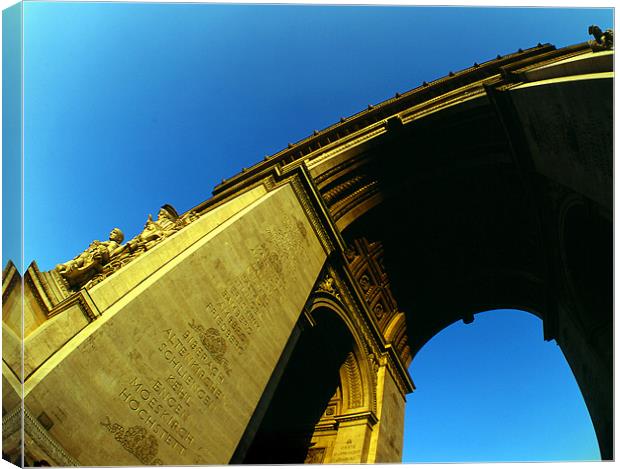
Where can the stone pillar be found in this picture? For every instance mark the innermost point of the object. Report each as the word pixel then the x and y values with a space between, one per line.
pixel 184 342
pixel 388 439
pixel 352 440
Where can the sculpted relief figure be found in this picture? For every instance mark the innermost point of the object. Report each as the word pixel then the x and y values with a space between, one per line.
pixel 101 259
pixel 90 262
pixel 154 231
pixel 168 222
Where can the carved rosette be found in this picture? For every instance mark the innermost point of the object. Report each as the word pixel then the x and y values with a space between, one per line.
pixel 378 310
pixel 366 262
pixel 365 283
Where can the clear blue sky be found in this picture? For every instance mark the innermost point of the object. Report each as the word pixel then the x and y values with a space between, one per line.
pixel 130 106
pixel 494 390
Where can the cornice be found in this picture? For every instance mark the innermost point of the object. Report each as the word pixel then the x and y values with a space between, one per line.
pixel 83 300
pixel 514 71
pixel 46 442
pixel 10 276
pixel 368 416
pixel 390 107
pixel 38 287
pixel 317 212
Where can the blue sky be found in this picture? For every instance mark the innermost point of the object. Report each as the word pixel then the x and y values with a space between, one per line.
pixel 493 390
pixel 130 106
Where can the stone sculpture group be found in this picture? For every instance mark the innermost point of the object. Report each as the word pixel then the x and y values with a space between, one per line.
pixel 102 258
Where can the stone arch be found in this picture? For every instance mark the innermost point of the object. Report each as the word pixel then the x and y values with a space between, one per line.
pixel 396 334
pixel 348 430
pixel 585 306
pixel 308 391
pixel 357 386
pixel 585 242
pixel 468 314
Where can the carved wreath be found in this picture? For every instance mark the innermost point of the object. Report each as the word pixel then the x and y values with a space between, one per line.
pixel 211 339
pixel 135 440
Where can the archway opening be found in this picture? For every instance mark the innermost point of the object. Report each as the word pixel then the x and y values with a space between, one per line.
pixel 310 379
pixel 493 390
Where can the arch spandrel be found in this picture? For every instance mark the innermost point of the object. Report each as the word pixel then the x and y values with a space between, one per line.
pixel 358 378
pixel 350 429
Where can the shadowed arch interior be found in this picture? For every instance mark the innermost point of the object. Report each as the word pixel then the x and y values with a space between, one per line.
pixel 309 381
pixel 587 239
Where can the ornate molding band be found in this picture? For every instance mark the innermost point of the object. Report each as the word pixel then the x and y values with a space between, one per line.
pixel 46 442
pixel 12 422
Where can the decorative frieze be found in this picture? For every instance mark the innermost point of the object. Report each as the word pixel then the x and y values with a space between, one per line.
pixel 102 258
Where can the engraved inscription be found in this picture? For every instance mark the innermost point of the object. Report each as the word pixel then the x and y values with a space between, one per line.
pixel 196 370
pixel 349 452
pixel 196 357
pixel 237 308
pixel 193 366
pixel 160 411
pixel 284 237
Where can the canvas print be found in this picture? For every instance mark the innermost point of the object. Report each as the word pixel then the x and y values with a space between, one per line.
pixel 297 233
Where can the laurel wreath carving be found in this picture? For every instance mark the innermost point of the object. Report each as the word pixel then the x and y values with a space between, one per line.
pixel 136 440
pixel 211 339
